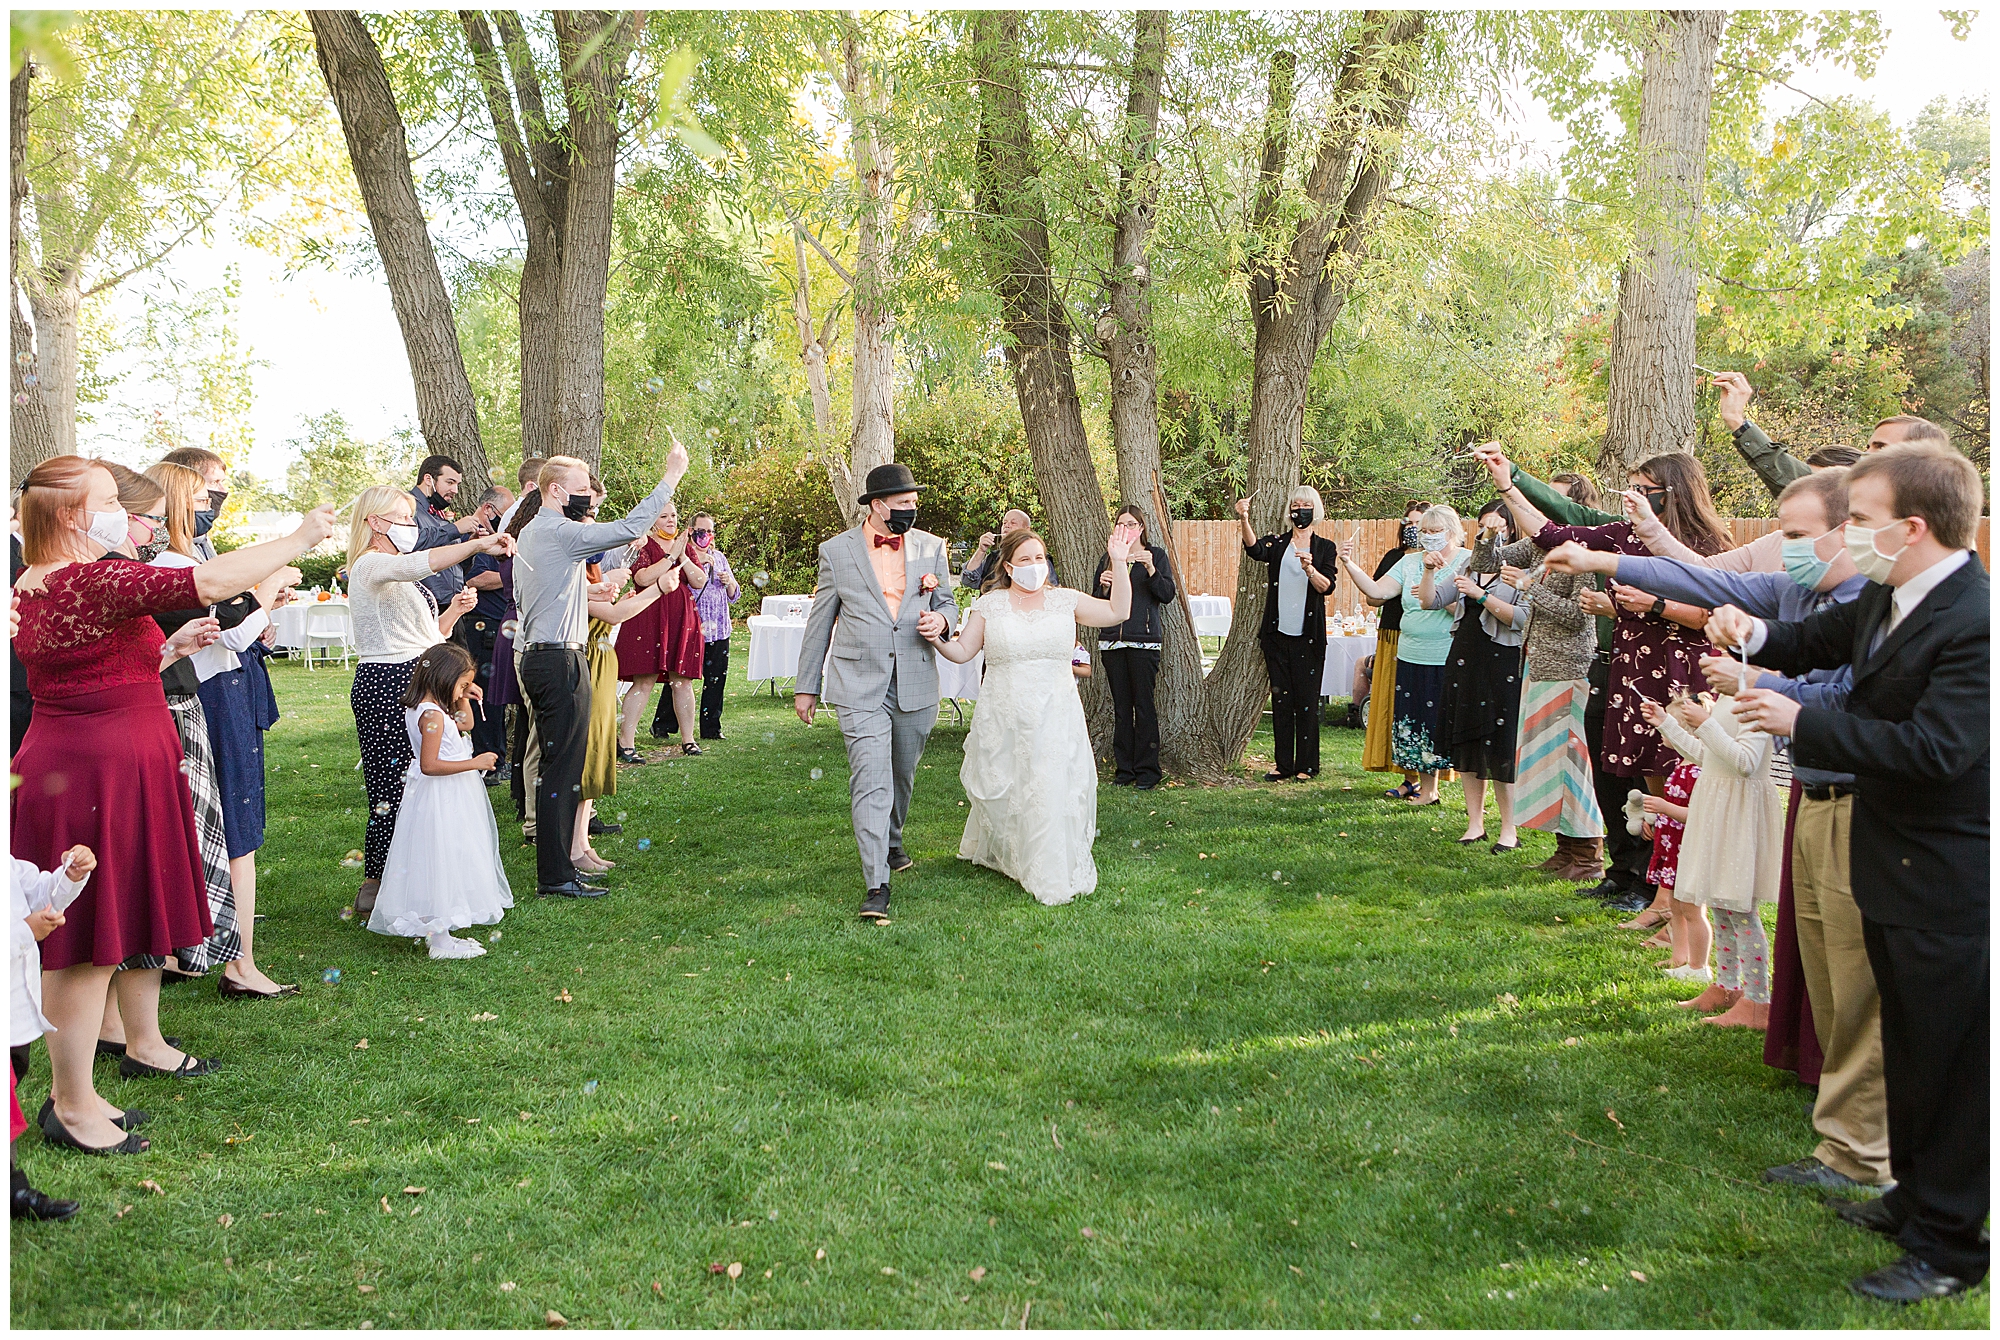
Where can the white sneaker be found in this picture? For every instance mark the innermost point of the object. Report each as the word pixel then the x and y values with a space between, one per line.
pixel 1688 973
pixel 447 946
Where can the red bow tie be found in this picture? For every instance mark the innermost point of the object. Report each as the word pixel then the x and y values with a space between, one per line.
pixel 888 541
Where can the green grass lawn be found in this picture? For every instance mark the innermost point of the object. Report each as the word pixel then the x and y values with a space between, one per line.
pixel 1299 1061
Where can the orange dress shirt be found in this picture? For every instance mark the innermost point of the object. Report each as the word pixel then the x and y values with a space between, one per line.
pixel 891 567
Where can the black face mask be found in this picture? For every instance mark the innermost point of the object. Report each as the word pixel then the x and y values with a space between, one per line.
pixel 203 520
pixel 1656 499
pixel 1410 540
pixel 1302 517
pixel 900 520
pixel 577 507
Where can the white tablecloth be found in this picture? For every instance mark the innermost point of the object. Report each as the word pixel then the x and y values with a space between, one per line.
pixel 1342 655
pixel 774 654
pixel 779 607
pixel 1211 615
pixel 291 620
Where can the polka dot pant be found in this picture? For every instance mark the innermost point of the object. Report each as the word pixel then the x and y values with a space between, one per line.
pixel 377 698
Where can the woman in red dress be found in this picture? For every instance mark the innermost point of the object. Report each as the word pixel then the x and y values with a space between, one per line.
pixel 101 765
pixel 662 640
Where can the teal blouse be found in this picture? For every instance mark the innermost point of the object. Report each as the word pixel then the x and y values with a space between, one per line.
pixel 1426 635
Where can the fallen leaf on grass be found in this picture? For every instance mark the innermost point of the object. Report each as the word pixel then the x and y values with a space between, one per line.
pixel 150 1185
pixel 1638 1275
pixel 735 1271
pixel 820 1255
pixel 415 1190
pixel 1612 1117
pixel 976 1274
pixel 555 1319
pixel 1088 1233
pixel 506 1286
pixel 364 1288
pixel 123 1212
pixel 657 1290
pixel 385 1206
pixel 716 1267
pixel 1571 1042
pixel 484 1018
pixel 1295 1270
pixel 996 1167
pixel 225 1219
pixel 767 1274
pixel 359 1121
pixel 888 1270
pixel 1507 998
pixel 564 997
pixel 362 1045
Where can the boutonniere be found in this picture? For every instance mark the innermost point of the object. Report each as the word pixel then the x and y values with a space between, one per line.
pixel 928 583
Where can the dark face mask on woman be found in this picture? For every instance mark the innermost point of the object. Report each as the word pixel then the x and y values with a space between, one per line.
pixel 1410 540
pixel 1302 517
pixel 203 519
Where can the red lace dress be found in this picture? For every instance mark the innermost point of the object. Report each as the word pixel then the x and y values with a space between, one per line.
pixel 101 763
pixel 665 637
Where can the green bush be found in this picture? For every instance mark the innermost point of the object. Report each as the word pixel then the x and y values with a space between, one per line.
pixel 318 568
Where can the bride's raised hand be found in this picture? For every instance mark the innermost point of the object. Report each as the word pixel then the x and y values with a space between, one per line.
pixel 1118 549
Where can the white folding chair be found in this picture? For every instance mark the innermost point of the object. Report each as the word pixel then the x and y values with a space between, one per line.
pixel 329 627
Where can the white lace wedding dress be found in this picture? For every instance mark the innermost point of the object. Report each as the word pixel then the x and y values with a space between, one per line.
pixel 1030 782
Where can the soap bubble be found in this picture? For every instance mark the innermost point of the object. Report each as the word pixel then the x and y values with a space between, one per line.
pixel 770 737
pixel 382 807
pixel 1277 874
pixel 817 774
pixel 511 627
pixel 494 938
pixel 24 358
pixel 331 977
pixel 187 768
pixel 590 1086
pixel 20 397
pixel 761 580
pixel 1135 844
pixel 621 816
pixel 645 844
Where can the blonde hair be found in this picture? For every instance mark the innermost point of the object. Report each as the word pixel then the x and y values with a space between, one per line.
pixel 1306 493
pixel 375 500
pixel 1454 527
pixel 557 466
pixel 180 483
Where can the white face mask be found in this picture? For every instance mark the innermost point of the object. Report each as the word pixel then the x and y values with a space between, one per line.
pixel 1029 576
pixel 1433 541
pixel 404 537
pixel 110 529
pixel 1869 561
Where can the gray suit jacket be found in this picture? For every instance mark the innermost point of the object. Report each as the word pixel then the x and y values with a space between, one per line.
pixel 850 616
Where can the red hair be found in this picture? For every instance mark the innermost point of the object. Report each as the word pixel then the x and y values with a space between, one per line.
pixel 58 485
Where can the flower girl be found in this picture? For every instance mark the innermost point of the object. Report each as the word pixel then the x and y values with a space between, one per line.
pixel 443 870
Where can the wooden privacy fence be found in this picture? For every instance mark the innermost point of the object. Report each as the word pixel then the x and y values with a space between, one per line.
pixel 1207 552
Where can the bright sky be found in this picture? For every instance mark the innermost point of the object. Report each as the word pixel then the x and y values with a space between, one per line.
pixel 330 341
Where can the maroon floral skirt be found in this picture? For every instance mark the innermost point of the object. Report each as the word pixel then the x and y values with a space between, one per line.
pixel 1650 658
pixel 104 769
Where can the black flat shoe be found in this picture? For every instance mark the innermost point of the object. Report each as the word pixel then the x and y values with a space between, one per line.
pixel 691 749
pixel 1810 1173
pixel 1424 804
pixel 229 990
pixel 131 1119
pixel 875 907
pixel 576 888
pixel 55 1133
pixel 118 1048
pixel 190 1067
pixel 630 756
pixel 1501 848
pixel 1872 1215
pixel 899 861
pixel 1910 1280
pixel 1468 841
pixel 1276 776
pixel 598 828
pixel 32 1204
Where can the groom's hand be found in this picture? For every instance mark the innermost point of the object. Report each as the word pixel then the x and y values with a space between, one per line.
pixel 806 705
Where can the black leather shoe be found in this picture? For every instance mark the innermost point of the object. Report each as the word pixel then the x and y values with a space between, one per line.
pixel 491 780
pixel 899 861
pixel 1910 1280
pixel 131 1119
pixel 630 755
pixel 1810 1172
pixel 229 990
pixel 190 1067
pixel 58 1134
pixel 32 1204
pixel 1629 902
pixel 599 828
pixel 1872 1215
pixel 118 1048
pixel 875 907
pixel 576 888
pixel 1604 890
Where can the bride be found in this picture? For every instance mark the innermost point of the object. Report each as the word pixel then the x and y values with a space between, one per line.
pixel 1029 775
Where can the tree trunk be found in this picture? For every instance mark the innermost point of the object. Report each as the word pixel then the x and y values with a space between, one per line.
pixel 1185 748
pixel 56 301
pixel 32 433
pixel 1651 396
pixel 594 46
pixel 812 356
pixel 873 441
pixel 1015 237
pixel 352 65
pixel 1297 294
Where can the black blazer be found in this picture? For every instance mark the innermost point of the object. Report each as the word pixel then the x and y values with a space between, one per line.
pixel 1915 736
pixel 1270 551
pixel 1148 594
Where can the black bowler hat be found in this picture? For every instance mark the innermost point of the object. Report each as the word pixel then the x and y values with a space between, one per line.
pixel 888 480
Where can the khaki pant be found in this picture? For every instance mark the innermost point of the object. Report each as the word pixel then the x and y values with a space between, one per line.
pixel 531 755
pixel 1852 1114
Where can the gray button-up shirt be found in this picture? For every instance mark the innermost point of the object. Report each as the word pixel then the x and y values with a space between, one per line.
pixel 549 585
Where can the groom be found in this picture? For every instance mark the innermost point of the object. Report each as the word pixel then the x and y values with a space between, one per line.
pixel 883 588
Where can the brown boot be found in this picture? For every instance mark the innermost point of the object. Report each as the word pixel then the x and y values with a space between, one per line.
pixel 1588 864
pixel 364 897
pixel 1562 859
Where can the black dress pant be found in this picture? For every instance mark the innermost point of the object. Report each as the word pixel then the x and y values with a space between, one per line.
pixel 1135 730
pixel 557 682
pixel 1626 856
pixel 714 675
pixel 1935 1027
pixel 489 724
pixel 1295 664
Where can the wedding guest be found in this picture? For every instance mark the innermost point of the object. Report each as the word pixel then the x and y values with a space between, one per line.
pixel 526 480
pixel 1479 719
pixel 396 620
pixel 1301 567
pixel 1375 746
pixel 1554 787
pixel 600 755
pixel 443 871
pixel 979 566
pixel 438 527
pixel 1425 642
pixel 1131 653
pixel 664 641
pixel 712 600
pixel 214 474
pixel 1687 932
pixel 101 766
pixel 1778 467
pixel 1914 733
pixel 1730 852
pixel 480 632
pixel 552 592
pixel 38 898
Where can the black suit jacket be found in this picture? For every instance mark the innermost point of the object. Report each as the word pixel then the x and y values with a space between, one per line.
pixel 1270 551
pixel 1915 737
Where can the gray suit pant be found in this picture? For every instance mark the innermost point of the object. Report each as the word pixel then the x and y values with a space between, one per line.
pixel 884 744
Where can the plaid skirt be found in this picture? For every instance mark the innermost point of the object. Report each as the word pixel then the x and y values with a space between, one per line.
pixel 225 945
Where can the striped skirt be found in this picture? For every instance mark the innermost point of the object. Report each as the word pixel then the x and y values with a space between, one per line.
pixel 1553 792
pixel 226 944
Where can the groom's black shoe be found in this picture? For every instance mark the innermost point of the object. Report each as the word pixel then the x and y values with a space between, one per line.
pixel 576 888
pixel 875 907
pixel 899 861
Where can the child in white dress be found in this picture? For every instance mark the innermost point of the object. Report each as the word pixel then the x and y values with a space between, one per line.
pixel 39 899
pixel 443 870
